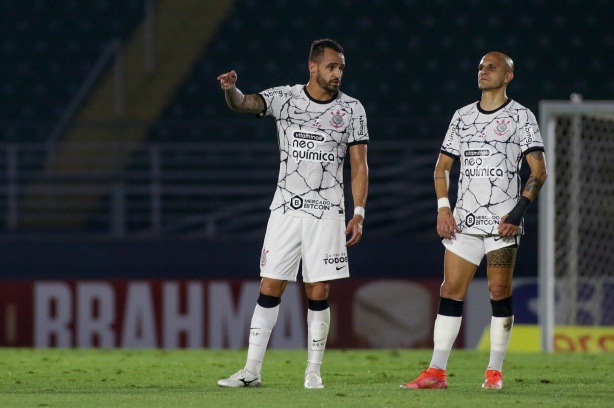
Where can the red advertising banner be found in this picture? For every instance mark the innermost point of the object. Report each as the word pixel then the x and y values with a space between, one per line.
pixel 366 313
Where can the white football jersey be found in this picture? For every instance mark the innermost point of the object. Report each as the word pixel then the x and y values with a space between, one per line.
pixel 490 146
pixel 313 139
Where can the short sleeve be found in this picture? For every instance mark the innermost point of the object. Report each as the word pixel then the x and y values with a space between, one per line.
pixel 359 132
pixel 451 142
pixel 275 99
pixel 530 137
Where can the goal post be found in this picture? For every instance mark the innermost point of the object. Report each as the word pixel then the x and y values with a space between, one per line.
pixel 576 217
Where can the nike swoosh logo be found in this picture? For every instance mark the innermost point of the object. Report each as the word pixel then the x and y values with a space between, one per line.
pixel 341 267
pixel 247 382
pixel 317 341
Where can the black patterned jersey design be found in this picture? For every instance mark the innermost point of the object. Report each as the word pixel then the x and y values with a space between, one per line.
pixel 490 146
pixel 313 140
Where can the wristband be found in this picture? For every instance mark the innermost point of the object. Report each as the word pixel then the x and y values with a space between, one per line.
pixel 360 211
pixel 515 216
pixel 443 202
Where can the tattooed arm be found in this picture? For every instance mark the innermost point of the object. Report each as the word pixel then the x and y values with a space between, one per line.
pixel 235 99
pixel 537 163
pixel 510 222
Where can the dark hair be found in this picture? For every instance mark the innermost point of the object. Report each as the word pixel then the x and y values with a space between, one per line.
pixel 318 46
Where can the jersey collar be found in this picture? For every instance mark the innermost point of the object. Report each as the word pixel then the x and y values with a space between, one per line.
pixel 316 101
pixel 494 110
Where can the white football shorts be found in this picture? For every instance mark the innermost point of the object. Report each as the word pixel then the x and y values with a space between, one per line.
pixel 474 247
pixel 318 243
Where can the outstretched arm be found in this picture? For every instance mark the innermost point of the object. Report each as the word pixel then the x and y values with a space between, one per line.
pixel 360 187
pixel 235 99
pixel 510 223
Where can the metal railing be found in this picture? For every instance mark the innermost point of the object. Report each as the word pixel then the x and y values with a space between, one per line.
pixel 218 190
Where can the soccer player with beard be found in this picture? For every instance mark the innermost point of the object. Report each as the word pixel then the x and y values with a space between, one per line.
pixel 490 138
pixel 317 126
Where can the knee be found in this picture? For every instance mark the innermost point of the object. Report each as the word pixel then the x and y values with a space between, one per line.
pixel 499 291
pixel 450 291
pixel 317 291
pixel 272 287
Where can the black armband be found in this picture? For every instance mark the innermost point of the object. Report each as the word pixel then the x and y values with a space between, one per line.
pixel 515 216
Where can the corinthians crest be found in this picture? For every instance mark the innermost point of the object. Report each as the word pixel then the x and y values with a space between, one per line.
pixel 502 128
pixel 337 120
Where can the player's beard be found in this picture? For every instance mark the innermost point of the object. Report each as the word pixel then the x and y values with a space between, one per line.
pixel 327 85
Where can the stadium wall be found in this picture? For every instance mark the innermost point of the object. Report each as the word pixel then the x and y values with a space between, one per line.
pixel 198 293
pixel 88 259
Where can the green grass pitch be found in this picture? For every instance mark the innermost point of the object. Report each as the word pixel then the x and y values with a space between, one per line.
pixel 353 378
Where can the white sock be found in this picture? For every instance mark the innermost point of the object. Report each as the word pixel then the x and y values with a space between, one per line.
pixel 318 323
pixel 444 334
pixel 500 334
pixel 263 321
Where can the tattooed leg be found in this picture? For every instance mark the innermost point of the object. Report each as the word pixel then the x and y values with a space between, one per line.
pixel 500 268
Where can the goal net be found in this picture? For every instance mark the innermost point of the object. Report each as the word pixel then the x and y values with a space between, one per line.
pixel 576 212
